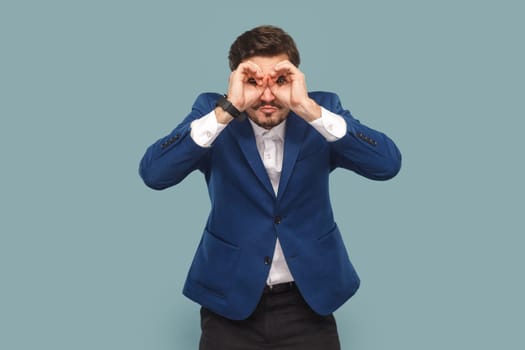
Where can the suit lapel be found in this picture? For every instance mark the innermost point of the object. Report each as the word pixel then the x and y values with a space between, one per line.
pixel 243 133
pixel 294 137
pixel 295 130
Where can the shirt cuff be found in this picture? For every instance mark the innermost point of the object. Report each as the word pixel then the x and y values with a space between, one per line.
pixel 206 129
pixel 330 125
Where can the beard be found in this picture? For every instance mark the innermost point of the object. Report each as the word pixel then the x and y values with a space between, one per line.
pixel 268 120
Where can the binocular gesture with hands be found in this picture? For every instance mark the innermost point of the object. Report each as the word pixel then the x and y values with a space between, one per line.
pixel 269 85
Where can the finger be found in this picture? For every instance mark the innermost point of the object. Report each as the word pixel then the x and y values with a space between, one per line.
pixel 259 82
pixel 281 77
pixel 269 80
pixel 251 67
pixel 285 66
pixel 262 80
pixel 251 73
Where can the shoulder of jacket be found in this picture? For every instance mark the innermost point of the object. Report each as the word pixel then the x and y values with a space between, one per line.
pixel 207 98
pixel 324 98
pixel 205 102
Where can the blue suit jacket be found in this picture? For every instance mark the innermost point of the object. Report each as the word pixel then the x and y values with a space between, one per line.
pixel 230 266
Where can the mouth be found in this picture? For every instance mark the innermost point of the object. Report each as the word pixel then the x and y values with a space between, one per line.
pixel 268 109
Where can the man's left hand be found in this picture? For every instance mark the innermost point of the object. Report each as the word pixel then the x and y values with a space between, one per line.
pixel 288 84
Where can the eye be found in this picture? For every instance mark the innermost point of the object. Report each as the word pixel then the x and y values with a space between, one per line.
pixel 281 80
pixel 252 81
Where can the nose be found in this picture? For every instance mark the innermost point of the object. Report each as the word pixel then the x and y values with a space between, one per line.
pixel 267 95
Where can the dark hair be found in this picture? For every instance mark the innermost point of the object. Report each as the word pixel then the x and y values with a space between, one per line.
pixel 263 41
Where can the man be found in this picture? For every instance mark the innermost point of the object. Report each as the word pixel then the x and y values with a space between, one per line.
pixel 271 266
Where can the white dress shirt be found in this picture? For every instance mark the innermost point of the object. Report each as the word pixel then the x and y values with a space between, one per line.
pixel 270 144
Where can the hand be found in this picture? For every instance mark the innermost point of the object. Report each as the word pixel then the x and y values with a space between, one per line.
pixel 246 84
pixel 288 84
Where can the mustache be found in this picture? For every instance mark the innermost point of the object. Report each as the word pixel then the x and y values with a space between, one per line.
pixel 272 104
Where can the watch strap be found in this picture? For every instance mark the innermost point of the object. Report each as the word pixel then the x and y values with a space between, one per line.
pixel 227 106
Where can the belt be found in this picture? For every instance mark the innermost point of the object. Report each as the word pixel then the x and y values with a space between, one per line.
pixel 279 288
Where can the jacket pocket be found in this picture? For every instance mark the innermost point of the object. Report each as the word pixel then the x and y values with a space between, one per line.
pixel 333 254
pixel 328 234
pixel 214 264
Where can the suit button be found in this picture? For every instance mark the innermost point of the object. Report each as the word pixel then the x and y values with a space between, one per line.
pixel 267 260
pixel 277 220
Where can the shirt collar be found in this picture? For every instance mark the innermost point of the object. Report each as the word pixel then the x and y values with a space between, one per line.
pixel 277 130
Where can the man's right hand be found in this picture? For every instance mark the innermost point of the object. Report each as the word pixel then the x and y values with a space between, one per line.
pixel 245 86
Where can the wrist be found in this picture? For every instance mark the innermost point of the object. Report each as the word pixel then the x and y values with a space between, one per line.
pixel 309 110
pixel 222 116
pixel 228 107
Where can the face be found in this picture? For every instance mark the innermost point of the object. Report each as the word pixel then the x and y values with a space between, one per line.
pixel 267 111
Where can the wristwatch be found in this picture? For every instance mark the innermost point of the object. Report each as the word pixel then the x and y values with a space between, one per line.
pixel 227 106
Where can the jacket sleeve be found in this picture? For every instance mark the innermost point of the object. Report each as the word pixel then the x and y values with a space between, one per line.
pixel 170 159
pixel 364 150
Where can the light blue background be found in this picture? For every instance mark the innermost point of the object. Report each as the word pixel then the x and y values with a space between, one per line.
pixel 92 259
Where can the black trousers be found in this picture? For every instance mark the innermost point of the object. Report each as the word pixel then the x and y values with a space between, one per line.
pixel 282 320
